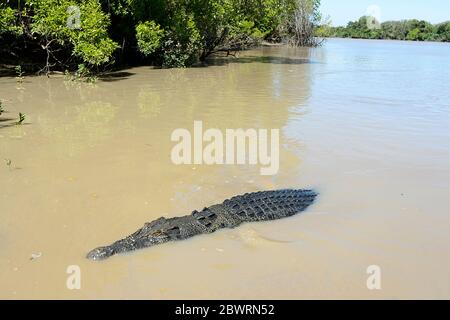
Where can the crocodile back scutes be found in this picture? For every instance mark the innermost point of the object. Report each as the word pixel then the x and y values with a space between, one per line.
pixel 270 205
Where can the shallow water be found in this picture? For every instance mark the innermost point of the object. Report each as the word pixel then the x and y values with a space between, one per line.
pixel 366 123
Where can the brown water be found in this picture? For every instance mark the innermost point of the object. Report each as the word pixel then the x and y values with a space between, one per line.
pixel 366 123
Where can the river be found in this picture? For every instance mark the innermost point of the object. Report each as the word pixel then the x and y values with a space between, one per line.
pixel 365 123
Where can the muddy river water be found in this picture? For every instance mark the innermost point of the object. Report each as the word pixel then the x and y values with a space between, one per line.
pixel 365 123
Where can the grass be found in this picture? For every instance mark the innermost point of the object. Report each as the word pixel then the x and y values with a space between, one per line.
pixel 21 118
pixel 19 73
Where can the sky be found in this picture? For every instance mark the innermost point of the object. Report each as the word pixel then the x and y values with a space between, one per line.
pixel 343 11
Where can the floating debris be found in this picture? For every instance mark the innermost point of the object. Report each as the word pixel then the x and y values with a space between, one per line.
pixel 35 256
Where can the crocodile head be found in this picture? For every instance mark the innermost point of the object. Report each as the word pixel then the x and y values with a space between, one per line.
pixel 156 232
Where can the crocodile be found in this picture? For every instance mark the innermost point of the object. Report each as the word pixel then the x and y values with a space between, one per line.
pixel 250 207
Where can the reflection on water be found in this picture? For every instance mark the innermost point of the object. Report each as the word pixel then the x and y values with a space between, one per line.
pixel 364 122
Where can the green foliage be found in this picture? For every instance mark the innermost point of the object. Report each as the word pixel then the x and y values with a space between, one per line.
pixel 248 28
pixel 443 31
pixel 171 33
pixel 82 71
pixel 8 21
pixel 148 35
pixel 245 34
pixel 90 42
pixel 420 31
pixel 324 29
pixel 414 35
pixel 82 74
pixel 413 30
pixel 181 44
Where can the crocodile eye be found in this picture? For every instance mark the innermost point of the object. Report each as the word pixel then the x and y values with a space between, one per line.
pixel 175 231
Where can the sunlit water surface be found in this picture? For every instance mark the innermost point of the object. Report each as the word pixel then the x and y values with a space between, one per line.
pixel 366 123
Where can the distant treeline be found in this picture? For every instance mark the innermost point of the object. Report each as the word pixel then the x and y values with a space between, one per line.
pixel 369 28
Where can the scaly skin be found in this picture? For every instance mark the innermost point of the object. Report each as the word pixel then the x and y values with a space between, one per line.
pixel 250 207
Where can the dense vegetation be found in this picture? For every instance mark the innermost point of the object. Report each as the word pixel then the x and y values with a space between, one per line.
pixel 94 34
pixel 415 30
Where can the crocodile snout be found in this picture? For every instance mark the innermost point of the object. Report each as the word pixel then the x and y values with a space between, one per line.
pixel 100 253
